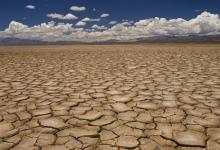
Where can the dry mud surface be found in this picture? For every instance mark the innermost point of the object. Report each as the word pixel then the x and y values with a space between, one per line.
pixel 110 97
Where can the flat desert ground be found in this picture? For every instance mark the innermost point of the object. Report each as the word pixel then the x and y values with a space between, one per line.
pixel 110 97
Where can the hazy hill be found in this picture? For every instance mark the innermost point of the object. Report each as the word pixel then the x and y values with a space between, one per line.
pixel 157 39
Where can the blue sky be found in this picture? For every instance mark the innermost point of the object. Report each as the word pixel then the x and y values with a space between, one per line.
pixel 102 20
pixel 118 9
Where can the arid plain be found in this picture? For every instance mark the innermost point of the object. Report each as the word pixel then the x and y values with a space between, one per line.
pixel 110 97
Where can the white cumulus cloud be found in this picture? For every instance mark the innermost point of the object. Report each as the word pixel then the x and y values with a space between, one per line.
pixel 30 7
pixel 113 22
pixel 62 17
pixel 16 27
pixel 104 15
pixel 78 8
pixel 80 23
pixel 95 26
pixel 204 24
pixel 87 19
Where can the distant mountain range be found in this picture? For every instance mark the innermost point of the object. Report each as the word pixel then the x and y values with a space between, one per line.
pixel 156 39
pixel 16 41
pixel 183 39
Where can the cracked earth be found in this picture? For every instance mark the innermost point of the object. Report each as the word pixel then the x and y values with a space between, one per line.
pixel 110 97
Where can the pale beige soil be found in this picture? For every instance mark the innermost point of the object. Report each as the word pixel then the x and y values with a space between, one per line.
pixel 110 97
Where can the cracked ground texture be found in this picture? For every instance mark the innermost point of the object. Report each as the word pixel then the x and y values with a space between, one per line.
pixel 110 97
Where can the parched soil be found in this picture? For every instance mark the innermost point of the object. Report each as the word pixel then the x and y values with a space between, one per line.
pixel 110 97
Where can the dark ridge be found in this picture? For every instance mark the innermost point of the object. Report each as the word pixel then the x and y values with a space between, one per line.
pixel 155 39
